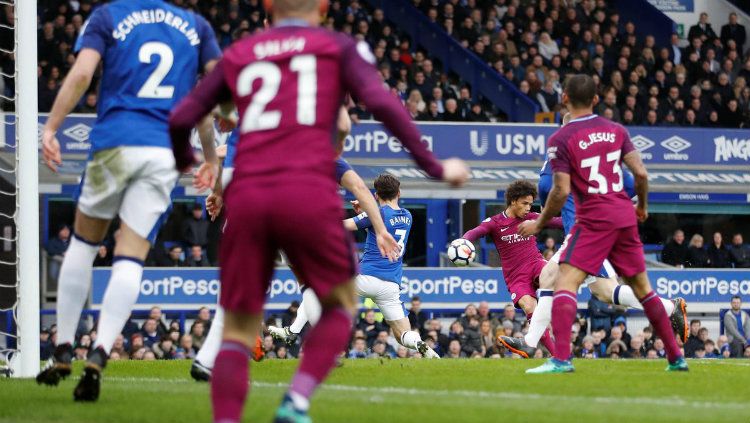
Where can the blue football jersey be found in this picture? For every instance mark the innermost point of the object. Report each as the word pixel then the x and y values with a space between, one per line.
pixel 234 136
pixel 569 208
pixel 342 166
pixel 398 224
pixel 152 53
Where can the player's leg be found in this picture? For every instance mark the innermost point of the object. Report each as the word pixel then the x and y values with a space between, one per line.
pixel 543 312
pixel 329 272
pixel 627 259
pixel 74 282
pixel 206 358
pixel 387 298
pixel 308 311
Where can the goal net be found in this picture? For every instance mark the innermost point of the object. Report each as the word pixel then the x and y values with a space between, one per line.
pixel 19 191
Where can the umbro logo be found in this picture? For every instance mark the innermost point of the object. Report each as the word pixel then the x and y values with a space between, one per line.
pixel 675 144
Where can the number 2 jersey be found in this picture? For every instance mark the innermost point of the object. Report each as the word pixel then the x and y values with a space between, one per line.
pixel 398 224
pixel 152 53
pixel 590 149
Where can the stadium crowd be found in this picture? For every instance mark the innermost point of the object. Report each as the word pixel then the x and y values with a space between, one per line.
pixel 700 81
pixel 602 333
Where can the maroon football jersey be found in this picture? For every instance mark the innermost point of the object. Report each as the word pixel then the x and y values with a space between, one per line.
pixel 590 149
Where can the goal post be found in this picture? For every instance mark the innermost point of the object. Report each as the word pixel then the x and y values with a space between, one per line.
pixel 27 363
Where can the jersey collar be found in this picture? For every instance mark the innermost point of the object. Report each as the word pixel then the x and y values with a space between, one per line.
pixel 291 22
pixel 584 118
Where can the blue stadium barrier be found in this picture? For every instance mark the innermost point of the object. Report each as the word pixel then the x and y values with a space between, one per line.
pixel 648 20
pixel 483 79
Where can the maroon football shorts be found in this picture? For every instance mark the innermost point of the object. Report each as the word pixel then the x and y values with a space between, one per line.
pixel 587 248
pixel 525 281
pixel 304 220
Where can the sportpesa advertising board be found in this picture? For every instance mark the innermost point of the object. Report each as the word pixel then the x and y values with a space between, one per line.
pixel 446 288
pixel 507 142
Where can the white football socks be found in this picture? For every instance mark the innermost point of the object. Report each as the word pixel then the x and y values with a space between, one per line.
pixel 73 287
pixel 410 338
pixel 309 311
pixel 119 299
pixel 624 295
pixel 210 349
pixel 540 319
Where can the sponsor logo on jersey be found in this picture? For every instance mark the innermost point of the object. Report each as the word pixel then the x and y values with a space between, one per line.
pixel 731 148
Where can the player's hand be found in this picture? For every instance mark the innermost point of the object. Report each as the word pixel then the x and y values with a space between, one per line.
pixel 356 207
pixel 641 213
pixel 528 228
pixel 205 177
pixel 455 172
pixel 221 152
pixel 388 246
pixel 214 203
pixel 51 150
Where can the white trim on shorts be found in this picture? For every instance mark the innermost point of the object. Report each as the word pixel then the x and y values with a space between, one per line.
pixel 386 294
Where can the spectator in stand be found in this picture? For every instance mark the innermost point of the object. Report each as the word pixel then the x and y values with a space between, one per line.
pixel 195 228
pixel 156 314
pixel 454 350
pixel 702 30
pixel 198 332
pixel 185 350
pixel 621 324
pixel 710 348
pixel 173 257
pixel 601 314
pixel 697 255
pixel 739 253
pixel 204 315
pixel 733 31
pixel 371 327
pixel 119 347
pixel 165 349
pixel 59 244
pixel 150 333
pixel 675 252
pixel 417 316
pixel 737 327
pixel 718 254
pixel 510 315
pixel 693 341
pixel 358 349
pixel 197 258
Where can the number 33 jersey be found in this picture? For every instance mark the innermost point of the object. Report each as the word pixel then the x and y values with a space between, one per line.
pixel 152 53
pixel 590 149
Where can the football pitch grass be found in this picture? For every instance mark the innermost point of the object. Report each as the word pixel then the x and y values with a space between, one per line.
pixel 391 391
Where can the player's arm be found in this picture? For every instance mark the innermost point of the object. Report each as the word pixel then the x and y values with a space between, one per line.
pixel 343 128
pixel 386 244
pixel 75 84
pixel 555 202
pixel 215 200
pixel 207 174
pixel 363 81
pixel 484 229
pixel 210 91
pixel 635 164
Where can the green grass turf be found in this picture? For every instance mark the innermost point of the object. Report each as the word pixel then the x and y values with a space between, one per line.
pixel 393 391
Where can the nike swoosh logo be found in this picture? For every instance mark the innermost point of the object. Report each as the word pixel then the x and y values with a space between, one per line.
pixel 504 229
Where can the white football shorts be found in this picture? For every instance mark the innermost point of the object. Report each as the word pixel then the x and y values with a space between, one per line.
pixel 132 181
pixel 386 294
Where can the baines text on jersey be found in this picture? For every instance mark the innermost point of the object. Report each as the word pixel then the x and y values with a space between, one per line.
pixel 155 16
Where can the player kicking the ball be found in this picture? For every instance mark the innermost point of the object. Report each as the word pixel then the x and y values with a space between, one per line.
pixel 604 285
pixel 587 154
pixel 288 83
pixel 521 260
pixel 131 173
pixel 380 278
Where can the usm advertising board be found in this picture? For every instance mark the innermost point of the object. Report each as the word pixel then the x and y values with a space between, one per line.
pixel 506 142
pixel 447 288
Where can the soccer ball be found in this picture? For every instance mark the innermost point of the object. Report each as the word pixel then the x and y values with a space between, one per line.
pixel 461 252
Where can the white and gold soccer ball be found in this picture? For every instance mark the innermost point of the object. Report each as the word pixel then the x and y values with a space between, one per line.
pixel 461 252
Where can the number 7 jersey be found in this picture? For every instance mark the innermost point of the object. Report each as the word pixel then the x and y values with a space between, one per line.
pixel 152 53
pixel 590 149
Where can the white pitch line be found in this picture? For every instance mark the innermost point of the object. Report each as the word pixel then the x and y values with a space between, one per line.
pixel 674 402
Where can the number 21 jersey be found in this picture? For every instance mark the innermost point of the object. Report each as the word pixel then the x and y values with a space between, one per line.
pixel 152 53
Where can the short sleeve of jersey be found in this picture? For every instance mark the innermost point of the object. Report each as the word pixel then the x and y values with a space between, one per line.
pixel 342 166
pixel 209 49
pixel 362 221
pixel 627 144
pixel 96 32
pixel 558 155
